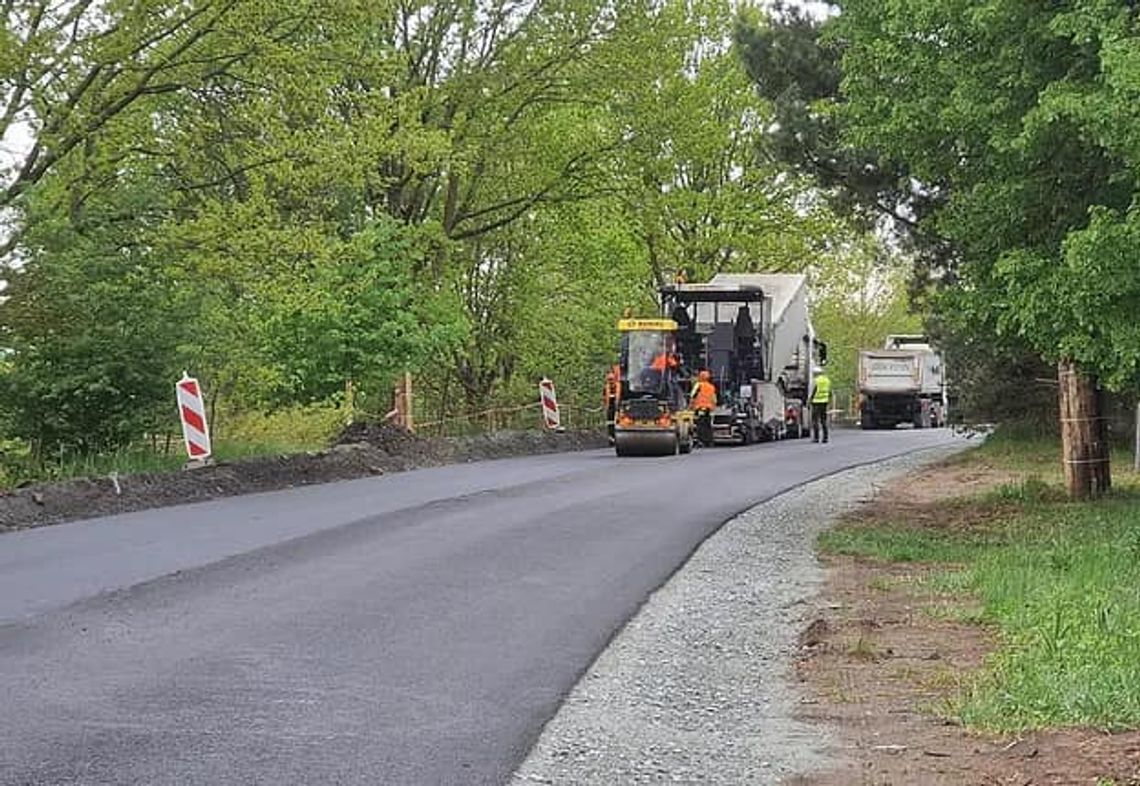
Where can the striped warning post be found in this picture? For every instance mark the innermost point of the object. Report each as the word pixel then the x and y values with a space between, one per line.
pixel 192 410
pixel 550 416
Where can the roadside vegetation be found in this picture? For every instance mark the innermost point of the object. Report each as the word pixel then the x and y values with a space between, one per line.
pixel 298 203
pixel 1055 581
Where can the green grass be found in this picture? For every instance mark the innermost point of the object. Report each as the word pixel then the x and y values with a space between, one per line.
pixel 246 435
pixel 1030 450
pixel 895 543
pixel 20 469
pixel 1066 597
pixel 1059 582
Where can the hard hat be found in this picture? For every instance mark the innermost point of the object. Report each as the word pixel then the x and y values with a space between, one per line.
pixel 704 375
pixel 817 370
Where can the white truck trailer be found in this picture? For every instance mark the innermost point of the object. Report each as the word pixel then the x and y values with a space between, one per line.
pixel 753 332
pixel 902 383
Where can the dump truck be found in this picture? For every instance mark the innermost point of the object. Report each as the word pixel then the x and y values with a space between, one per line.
pixel 753 333
pixel 902 383
pixel 651 411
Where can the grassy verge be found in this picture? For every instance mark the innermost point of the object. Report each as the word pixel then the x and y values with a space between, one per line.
pixel 1058 581
pixel 247 435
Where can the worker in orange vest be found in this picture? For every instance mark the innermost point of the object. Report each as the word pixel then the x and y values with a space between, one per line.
pixel 664 360
pixel 610 396
pixel 703 400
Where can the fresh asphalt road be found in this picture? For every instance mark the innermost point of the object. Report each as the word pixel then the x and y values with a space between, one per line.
pixel 417 628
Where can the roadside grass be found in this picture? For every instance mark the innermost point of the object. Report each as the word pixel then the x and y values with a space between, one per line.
pixel 246 435
pixel 1058 581
pixel 1031 451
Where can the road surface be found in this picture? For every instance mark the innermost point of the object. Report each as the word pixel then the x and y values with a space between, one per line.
pixel 417 628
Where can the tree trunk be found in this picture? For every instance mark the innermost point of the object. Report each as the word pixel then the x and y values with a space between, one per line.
pixel 1084 438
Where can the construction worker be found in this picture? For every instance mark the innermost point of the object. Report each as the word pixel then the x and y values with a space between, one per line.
pixel 703 400
pixel 820 401
pixel 664 360
pixel 610 396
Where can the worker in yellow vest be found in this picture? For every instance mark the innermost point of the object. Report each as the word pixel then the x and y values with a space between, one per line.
pixel 820 401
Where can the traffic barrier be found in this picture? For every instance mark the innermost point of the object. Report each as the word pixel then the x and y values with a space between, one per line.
pixel 550 416
pixel 192 411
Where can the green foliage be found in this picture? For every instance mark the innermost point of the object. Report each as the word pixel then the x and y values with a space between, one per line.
pixel 1015 111
pixel 295 201
pixel 93 328
pixel 357 317
pixel 284 430
pixel 796 67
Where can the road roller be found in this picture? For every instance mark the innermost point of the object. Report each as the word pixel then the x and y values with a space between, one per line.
pixel 652 415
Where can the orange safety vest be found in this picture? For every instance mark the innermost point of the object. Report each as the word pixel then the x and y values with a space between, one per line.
pixel 662 361
pixel 704 395
pixel 612 390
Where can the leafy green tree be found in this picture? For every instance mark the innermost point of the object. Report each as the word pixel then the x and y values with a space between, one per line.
pixel 1008 107
pixel 357 317
pixel 92 331
pixel 859 295
pixel 697 182
pixel 73 75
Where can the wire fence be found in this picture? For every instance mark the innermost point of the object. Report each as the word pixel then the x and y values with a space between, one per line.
pixel 520 418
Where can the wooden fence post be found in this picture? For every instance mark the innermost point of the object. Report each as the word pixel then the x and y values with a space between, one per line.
pixel 1084 448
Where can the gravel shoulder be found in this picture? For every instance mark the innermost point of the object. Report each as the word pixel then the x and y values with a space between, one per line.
pixel 699 687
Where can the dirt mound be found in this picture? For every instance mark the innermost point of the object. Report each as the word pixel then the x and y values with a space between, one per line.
pixel 382 436
pixel 360 451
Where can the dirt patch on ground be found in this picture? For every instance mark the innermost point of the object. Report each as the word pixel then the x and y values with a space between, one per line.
pixel 942 482
pixel 888 652
pixel 362 450
pixel 942 496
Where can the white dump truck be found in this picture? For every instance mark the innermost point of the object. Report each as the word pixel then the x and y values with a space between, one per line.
pixel 902 383
pixel 753 332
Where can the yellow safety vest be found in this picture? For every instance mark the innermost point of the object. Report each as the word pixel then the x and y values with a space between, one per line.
pixel 822 390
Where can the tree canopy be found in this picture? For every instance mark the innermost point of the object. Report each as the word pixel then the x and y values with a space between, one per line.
pixel 296 200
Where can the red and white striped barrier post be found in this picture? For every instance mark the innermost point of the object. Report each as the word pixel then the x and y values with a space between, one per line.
pixel 192 411
pixel 550 417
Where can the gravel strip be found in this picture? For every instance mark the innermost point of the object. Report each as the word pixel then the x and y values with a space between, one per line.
pixel 698 687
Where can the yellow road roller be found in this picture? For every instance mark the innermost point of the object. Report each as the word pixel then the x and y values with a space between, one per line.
pixel 652 415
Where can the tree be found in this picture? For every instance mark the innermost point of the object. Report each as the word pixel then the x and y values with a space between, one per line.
pixel 356 318
pixel 697 182
pixel 93 328
pixel 70 73
pixel 859 298
pixel 1007 107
